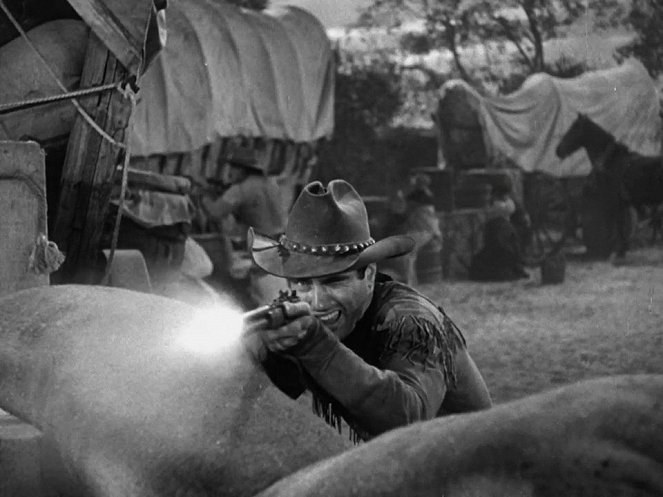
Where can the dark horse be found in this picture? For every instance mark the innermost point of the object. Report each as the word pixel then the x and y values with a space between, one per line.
pixel 626 177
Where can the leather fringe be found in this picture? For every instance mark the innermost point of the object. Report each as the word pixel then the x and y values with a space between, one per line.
pixel 334 414
pixel 419 339
pixel 416 339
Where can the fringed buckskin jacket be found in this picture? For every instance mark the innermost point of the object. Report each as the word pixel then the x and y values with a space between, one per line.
pixel 404 361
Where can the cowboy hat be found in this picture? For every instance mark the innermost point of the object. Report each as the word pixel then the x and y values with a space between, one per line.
pixel 327 233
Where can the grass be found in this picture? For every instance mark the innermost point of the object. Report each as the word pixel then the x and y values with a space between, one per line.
pixel 526 337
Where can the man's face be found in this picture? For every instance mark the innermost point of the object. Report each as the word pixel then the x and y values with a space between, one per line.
pixel 339 300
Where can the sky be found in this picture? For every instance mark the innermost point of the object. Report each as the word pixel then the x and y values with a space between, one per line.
pixel 332 13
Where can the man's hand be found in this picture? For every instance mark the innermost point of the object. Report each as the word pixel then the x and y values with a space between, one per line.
pixel 260 338
pixel 290 334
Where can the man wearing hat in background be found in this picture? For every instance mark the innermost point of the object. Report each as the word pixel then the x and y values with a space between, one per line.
pixel 372 351
pixel 253 199
pixel 419 221
pixel 501 257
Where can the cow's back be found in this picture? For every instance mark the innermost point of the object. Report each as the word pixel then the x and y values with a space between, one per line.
pixel 103 373
pixel 592 439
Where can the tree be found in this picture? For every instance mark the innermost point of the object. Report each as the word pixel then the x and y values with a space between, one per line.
pixel 367 95
pixel 645 18
pixel 443 21
pixel 525 24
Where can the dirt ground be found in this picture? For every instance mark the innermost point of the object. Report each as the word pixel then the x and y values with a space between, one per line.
pixel 526 337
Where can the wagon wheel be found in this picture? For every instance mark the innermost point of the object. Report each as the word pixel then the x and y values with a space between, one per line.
pixel 553 218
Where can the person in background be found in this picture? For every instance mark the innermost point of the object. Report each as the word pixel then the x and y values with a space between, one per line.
pixel 422 223
pixel 501 258
pixel 252 198
pixel 413 214
pixel 372 351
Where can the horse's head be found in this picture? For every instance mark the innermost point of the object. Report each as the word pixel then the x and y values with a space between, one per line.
pixel 574 138
pixel 600 145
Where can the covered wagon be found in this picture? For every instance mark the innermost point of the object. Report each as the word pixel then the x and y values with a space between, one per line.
pixel 517 134
pixel 225 76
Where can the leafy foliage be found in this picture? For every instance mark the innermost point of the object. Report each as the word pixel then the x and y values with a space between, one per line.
pixel 564 67
pixel 525 24
pixel 366 98
pixel 646 18
pixel 367 95
pixel 416 43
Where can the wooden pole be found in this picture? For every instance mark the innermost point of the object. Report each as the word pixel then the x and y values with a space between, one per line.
pixel 89 168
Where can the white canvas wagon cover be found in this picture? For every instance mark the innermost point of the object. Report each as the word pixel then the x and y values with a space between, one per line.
pixel 527 125
pixel 227 72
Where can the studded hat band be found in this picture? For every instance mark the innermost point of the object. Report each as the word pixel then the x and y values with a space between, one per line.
pixel 331 249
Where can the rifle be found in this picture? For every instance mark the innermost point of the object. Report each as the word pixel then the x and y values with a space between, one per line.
pixel 287 306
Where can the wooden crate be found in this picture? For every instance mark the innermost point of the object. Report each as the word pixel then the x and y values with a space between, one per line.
pixel 23 208
pixel 23 219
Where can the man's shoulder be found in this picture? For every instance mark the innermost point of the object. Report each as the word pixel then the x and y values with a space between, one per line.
pixel 260 184
pixel 400 309
pixel 233 193
pixel 407 321
pixel 394 299
pixel 251 187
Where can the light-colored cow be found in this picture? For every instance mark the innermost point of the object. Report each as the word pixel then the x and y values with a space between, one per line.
pixel 596 438
pixel 109 378
pixel 129 411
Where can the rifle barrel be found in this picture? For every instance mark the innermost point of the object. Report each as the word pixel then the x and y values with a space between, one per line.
pixel 259 312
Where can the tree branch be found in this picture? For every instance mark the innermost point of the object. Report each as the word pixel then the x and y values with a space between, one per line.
pixel 514 39
pixel 536 34
pixel 450 35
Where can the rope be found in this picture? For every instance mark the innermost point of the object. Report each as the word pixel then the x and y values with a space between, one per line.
pixel 45 257
pixel 50 251
pixel 118 217
pixel 24 104
pixel 80 109
pixel 29 181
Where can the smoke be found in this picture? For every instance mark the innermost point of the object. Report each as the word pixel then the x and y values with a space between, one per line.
pixel 212 331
